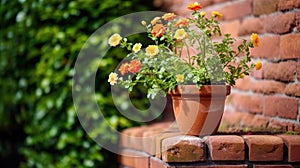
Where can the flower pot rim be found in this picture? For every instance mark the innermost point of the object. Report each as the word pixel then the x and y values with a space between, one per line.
pixel 205 90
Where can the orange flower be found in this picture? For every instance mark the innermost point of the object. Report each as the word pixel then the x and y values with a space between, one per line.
pixel 194 6
pixel 169 16
pixel 158 30
pixel 182 22
pixel 255 40
pixel 135 66
pixel 258 65
pixel 124 68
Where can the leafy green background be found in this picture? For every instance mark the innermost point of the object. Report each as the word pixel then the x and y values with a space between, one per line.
pixel 39 44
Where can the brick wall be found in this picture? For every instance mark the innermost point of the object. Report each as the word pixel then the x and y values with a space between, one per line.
pixel 269 97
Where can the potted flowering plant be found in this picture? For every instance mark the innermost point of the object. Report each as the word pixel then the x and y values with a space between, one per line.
pixel 187 55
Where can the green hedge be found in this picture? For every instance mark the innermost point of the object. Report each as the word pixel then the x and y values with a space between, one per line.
pixel 40 41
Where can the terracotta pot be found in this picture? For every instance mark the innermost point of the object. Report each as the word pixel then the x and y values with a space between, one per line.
pixel 199 112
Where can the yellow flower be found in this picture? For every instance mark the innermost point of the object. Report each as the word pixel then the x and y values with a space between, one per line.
pixel 180 78
pixel 258 65
pixel 114 40
pixel 144 23
pixel 112 78
pixel 216 14
pixel 180 34
pixel 242 75
pixel 152 50
pixel 136 47
pixel 255 40
pixel 202 13
pixel 155 20
pixel 169 16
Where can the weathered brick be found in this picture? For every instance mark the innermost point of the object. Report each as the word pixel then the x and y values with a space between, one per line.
pixel 155 131
pixel 158 142
pixel 264 147
pixel 236 9
pixel 292 89
pixel 279 23
pixel 157 163
pixel 226 147
pixel 283 71
pixel 243 83
pixel 289 46
pixel 183 149
pixel 273 166
pixel 293 144
pixel 250 25
pixel 260 122
pixel 288 4
pixel 264 6
pixel 279 125
pixel 268 87
pixel 268 48
pixel 280 106
pixel 230 27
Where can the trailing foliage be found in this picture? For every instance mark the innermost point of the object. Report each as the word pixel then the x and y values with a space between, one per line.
pixel 40 41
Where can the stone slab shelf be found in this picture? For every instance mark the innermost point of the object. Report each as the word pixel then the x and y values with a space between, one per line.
pixel 160 145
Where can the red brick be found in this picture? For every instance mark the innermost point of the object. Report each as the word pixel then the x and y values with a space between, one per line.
pixel 204 3
pixel 293 144
pixel 279 23
pixel 264 147
pixel 220 1
pixel 283 71
pixel 156 131
pixel 243 83
pixel 290 46
pixel 158 142
pixel 134 158
pixel 157 163
pixel 298 21
pixel 183 149
pixel 288 4
pixel 268 48
pixel 292 89
pixel 279 106
pixel 236 9
pixel 231 118
pixel 268 87
pixel 273 166
pixel 279 125
pixel 248 103
pixel 264 6
pixel 260 122
pixel 258 74
pixel 226 147
pixel 298 70
pixel 216 166
pixel 128 137
pixel 251 25
pixel 230 27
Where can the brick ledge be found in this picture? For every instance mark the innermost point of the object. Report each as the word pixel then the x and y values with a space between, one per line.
pixel 161 146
